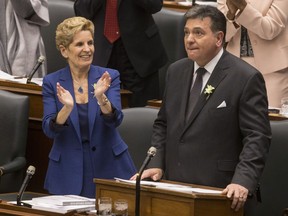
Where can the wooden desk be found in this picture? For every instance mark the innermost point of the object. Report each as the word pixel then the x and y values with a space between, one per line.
pixel 35 94
pixel 38 145
pixel 175 6
pixel 27 195
pixel 160 202
pixel 7 208
pixel 277 117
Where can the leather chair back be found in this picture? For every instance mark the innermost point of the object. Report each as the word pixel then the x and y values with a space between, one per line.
pixel 171 27
pixel 274 181
pixel 136 131
pixel 58 11
pixel 14 114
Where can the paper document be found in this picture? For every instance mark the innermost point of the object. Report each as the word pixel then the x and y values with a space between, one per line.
pixel 57 208
pixel 174 187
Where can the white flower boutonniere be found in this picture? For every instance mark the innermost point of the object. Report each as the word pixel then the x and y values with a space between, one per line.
pixel 208 91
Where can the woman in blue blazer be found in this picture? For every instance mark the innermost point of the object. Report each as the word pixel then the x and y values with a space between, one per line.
pixel 82 109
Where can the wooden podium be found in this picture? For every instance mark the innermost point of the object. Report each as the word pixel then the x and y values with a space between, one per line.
pixel 160 202
pixel 38 145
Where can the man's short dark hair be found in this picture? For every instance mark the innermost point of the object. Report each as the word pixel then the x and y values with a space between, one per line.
pixel 218 20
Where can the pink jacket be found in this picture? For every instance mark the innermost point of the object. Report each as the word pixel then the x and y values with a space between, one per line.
pixel 266 22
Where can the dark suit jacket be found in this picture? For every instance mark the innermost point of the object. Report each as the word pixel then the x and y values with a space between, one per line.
pixel 138 30
pixel 108 151
pixel 218 145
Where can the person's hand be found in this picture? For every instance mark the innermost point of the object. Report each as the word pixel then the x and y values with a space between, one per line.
pixel 64 96
pixel 239 4
pixel 238 193
pixel 154 173
pixel 102 85
pixel 232 9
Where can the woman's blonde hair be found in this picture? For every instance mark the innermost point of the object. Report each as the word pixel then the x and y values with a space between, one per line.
pixel 69 27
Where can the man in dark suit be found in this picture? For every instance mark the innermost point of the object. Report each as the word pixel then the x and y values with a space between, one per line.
pixel 225 140
pixel 137 52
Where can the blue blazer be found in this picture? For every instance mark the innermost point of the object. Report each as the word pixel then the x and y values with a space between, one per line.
pixel 108 151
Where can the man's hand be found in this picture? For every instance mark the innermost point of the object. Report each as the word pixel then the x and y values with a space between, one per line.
pixel 154 173
pixel 239 194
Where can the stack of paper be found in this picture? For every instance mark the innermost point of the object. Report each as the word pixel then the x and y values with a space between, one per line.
pixel 62 203
pixel 63 200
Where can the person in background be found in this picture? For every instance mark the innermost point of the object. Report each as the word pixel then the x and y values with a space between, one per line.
pixel 127 39
pixel 20 39
pixel 82 109
pixel 257 32
pixel 224 140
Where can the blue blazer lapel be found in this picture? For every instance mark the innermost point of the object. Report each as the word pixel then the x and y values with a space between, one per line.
pixel 93 107
pixel 67 83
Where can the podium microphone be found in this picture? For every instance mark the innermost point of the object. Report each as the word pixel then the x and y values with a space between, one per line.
pixel 39 62
pixel 29 173
pixel 151 153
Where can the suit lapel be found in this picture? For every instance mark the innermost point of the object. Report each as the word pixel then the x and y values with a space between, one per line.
pixel 186 85
pixel 215 79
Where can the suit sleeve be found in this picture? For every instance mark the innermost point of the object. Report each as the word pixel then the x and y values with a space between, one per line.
pixel 255 129
pixel 88 8
pixel 159 135
pixel 33 11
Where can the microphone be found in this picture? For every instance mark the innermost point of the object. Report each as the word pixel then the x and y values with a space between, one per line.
pixel 29 173
pixel 151 153
pixel 39 62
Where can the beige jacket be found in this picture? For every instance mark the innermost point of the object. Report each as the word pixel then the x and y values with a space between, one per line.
pixel 266 22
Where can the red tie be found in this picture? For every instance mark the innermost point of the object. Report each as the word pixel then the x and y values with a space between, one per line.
pixel 111 26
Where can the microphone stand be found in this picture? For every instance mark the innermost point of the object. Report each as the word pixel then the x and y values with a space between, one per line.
pixel 40 61
pixel 137 200
pixel 151 153
pixel 29 173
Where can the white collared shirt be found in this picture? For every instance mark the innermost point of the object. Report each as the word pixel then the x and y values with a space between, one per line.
pixel 209 68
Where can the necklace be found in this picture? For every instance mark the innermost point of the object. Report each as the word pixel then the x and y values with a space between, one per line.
pixel 80 89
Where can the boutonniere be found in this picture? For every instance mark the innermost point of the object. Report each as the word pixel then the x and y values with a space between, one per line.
pixel 208 91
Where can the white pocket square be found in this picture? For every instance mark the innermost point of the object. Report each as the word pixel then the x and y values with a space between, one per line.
pixel 222 105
